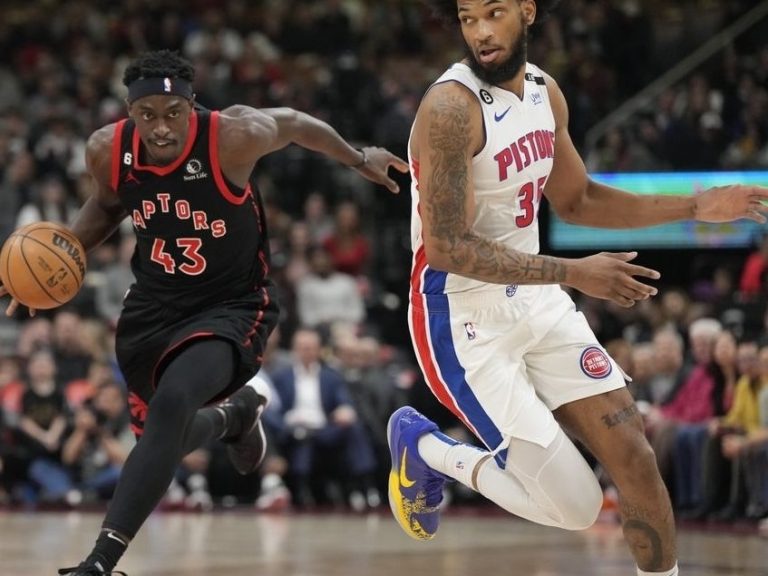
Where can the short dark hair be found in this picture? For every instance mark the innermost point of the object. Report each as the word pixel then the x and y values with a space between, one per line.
pixel 159 64
pixel 446 10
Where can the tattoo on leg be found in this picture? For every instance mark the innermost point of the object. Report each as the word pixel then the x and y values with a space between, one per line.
pixel 612 420
pixel 645 543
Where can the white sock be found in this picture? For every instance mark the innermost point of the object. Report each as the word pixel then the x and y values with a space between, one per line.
pixel 672 572
pixel 449 457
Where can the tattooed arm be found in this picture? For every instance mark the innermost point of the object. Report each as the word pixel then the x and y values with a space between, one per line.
pixel 447 133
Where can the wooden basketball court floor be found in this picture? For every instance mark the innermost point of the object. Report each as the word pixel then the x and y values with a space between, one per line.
pixel 244 543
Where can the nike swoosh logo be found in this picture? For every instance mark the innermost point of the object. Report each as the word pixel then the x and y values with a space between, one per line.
pixel 113 536
pixel 404 481
pixel 500 117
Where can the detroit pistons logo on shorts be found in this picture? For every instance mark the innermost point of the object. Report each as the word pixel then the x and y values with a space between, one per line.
pixel 595 363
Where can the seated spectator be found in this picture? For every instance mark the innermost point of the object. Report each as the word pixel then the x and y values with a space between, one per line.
pixel 99 445
pixel 34 333
pixel 80 391
pixel 68 344
pixel 319 223
pixel 642 371
pixel 692 436
pixel 744 443
pixel 373 388
pixel 318 418
pixel 757 463
pixel 325 297
pixel 116 279
pixel 670 369
pixel 752 282
pixel 347 246
pixel 692 403
pixel 42 424
pixel 297 265
pixel 11 385
pixel 51 203
pixel 721 485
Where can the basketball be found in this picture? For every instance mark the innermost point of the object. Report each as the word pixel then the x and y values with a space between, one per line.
pixel 42 265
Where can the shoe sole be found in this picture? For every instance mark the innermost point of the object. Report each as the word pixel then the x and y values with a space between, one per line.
pixel 393 486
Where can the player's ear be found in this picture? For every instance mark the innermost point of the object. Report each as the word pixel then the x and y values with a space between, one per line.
pixel 529 11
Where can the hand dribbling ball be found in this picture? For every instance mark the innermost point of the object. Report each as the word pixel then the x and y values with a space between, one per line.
pixel 42 265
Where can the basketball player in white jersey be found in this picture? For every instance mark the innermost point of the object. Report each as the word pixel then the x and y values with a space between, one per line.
pixel 498 340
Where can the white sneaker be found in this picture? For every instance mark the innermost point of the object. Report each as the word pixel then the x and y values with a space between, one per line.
pixel 276 499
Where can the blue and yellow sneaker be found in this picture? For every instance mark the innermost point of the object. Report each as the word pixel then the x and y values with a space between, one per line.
pixel 415 490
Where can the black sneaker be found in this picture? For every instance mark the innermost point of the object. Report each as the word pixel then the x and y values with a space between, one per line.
pixel 247 450
pixel 85 569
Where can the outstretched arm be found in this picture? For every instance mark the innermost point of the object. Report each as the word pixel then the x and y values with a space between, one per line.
pixel 263 131
pixel 578 199
pixel 447 134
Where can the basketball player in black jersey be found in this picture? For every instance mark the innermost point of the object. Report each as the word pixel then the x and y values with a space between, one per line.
pixel 196 321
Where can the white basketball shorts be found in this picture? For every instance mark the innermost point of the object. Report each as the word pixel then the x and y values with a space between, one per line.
pixel 501 360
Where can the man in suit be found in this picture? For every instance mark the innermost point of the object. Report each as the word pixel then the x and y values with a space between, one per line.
pixel 318 418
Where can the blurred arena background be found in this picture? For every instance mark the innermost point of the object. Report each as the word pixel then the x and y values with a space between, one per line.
pixel 655 88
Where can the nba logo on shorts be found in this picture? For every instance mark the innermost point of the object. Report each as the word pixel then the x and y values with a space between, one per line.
pixel 166 84
pixel 595 363
pixel 470 329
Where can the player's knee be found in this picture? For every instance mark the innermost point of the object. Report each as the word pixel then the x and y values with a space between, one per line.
pixel 583 503
pixel 169 405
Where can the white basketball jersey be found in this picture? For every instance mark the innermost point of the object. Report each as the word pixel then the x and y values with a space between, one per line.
pixel 508 174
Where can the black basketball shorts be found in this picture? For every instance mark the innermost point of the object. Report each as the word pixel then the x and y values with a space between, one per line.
pixel 150 334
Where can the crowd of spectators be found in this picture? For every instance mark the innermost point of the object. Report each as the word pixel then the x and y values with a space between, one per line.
pixel 340 251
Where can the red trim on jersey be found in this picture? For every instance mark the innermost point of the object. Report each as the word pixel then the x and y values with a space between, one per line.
pixel 117 147
pixel 165 170
pixel 218 175
pixel 174 348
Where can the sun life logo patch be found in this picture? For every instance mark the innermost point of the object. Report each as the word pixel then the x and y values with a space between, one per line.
pixel 595 363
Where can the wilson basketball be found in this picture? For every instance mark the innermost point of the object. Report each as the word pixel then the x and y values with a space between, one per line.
pixel 42 265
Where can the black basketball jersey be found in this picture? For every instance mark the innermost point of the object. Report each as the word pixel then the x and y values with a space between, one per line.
pixel 200 239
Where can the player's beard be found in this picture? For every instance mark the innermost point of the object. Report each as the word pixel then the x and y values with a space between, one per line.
pixel 503 71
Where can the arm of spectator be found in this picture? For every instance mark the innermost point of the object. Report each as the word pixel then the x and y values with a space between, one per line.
pixel 114 448
pixel 32 429
pixel 345 415
pixel 578 199
pixel 55 433
pixel 757 437
pixel 307 309
pixel 85 423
